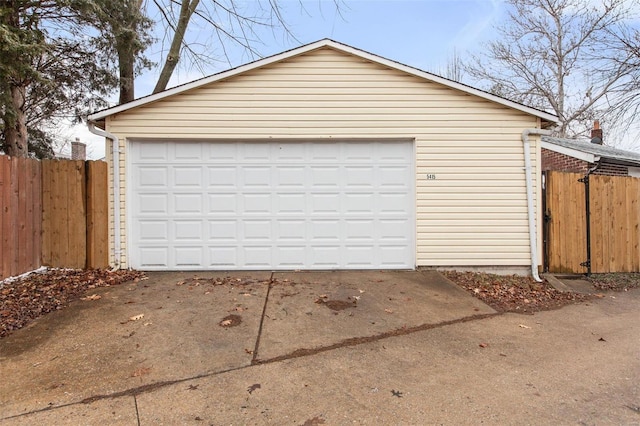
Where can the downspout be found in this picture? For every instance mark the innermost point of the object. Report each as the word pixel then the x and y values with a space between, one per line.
pixel 533 236
pixel 116 189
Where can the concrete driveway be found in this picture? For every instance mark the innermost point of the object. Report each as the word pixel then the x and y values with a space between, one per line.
pixel 319 348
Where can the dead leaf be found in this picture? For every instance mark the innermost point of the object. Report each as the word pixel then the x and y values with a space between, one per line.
pixel 136 317
pixel 142 371
pixel 483 345
pixel 92 297
pixel 253 387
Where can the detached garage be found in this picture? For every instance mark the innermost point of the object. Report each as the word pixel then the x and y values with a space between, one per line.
pixel 323 157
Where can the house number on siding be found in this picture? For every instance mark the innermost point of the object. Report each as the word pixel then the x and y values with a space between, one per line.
pixel 431 177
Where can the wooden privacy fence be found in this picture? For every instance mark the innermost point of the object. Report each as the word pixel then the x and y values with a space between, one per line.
pixel 54 213
pixel 614 222
pixel 21 221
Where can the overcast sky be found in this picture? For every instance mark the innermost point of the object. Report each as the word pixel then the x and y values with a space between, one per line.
pixel 419 33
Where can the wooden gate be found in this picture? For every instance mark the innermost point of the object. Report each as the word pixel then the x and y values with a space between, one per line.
pixel 614 222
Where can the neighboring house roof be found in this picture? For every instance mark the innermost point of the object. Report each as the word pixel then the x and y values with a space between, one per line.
pixel 548 119
pixel 591 152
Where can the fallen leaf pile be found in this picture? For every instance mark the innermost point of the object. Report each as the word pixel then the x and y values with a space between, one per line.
pixel 615 282
pixel 27 298
pixel 513 293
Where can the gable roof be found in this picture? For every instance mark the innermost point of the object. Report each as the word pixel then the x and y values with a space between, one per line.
pixel 550 119
pixel 591 152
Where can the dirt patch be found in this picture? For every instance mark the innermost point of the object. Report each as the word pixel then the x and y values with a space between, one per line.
pixel 231 321
pixel 513 293
pixel 27 298
pixel 615 282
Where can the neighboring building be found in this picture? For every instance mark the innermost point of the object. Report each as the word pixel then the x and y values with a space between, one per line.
pixel 324 157
pixel 570 155
pixel 78 152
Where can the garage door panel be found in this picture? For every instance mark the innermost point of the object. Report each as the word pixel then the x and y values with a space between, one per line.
pixel 188 230
pixel 154 231
pixel 393 256
pixel 325 177
pixel 152 177
pixel 290 204
pixel 291 230
pixel 359 203
pixel 291 177
pixel 396 177
pixel 151 151
pixel 291 153
pixel 187 204
pixel 223 204
pixel 256 230
pixel 152 204
pixel 257 256
pixel 392 229
pixel 326 256
pixel 189 257
pixel 255 152
pixel 222 153
pixel 154 257
pixel 223 230
pixel 359 230
pixel 256 203
pixel 265 205
pixel 323 152
pixel 255 177
pixel 325 203
pixel 359 177
pixel 325 230
pixel 392 203
pixel 191 151
pixel 187 177
pixel 223 257
pixel 359 256
pixel 222 177
pixel 290 256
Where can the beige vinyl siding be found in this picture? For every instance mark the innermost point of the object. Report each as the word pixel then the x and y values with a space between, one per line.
pixel 473 214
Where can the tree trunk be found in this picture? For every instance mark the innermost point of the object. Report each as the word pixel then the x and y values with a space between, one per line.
pixel 126 59
pixel 15 132
pixel 186 11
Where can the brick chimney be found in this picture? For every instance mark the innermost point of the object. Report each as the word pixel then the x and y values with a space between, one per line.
pixel 596 133
pixel 78 150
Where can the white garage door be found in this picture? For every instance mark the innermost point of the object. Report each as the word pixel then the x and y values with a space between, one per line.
pixel 265 205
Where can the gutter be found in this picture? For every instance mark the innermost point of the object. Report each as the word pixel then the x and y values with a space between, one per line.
pixel 533 236
pixel 116 189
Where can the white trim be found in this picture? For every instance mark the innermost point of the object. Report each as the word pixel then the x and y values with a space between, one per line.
pixel 585 156
pixel 318 45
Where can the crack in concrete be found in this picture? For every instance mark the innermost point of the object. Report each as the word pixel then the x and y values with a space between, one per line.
pixel 355 341
pixel 135 402
pixel 264 313
pixel 298 353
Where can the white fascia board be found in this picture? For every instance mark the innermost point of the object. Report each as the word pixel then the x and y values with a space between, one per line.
pixel 313 46
pixel 585 156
